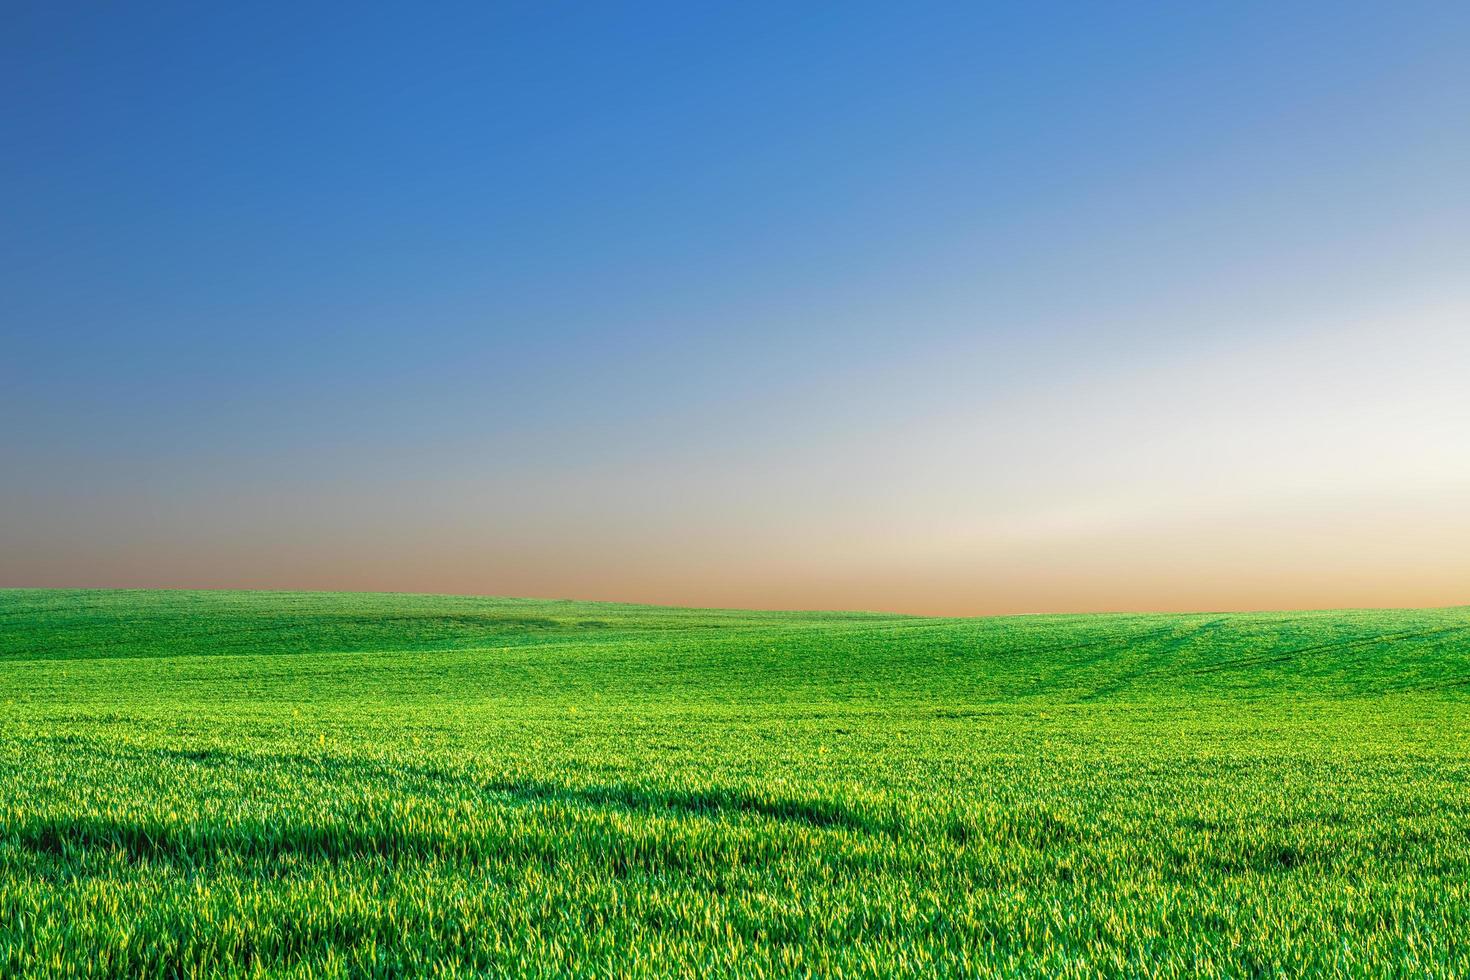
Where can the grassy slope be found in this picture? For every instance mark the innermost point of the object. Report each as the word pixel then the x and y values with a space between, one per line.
pixel 310 783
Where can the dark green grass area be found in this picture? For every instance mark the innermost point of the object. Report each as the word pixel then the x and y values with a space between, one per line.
pixel 207 783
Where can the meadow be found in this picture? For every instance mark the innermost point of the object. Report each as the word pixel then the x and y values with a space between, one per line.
pixel 311 784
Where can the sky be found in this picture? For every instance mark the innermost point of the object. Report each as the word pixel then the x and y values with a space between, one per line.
pixel 934 308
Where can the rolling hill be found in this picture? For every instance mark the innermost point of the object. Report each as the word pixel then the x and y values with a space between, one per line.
pixel 323 784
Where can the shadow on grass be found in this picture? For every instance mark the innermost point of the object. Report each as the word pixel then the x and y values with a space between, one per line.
pixel 538 823
pixel 712 802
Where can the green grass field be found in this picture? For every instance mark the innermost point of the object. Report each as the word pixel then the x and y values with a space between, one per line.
pixel 206 783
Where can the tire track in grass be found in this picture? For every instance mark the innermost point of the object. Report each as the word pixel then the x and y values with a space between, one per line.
pixel 1287 656
pixel 1128 679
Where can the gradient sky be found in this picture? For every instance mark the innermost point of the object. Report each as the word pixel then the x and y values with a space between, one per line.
pixel 937 308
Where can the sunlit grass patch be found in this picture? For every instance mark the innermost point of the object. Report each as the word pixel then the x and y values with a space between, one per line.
pixel 300 784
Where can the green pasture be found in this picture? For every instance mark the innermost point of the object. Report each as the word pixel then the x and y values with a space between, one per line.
pixel 309 784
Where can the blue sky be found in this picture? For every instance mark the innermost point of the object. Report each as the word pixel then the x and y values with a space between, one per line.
pixel 747 304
